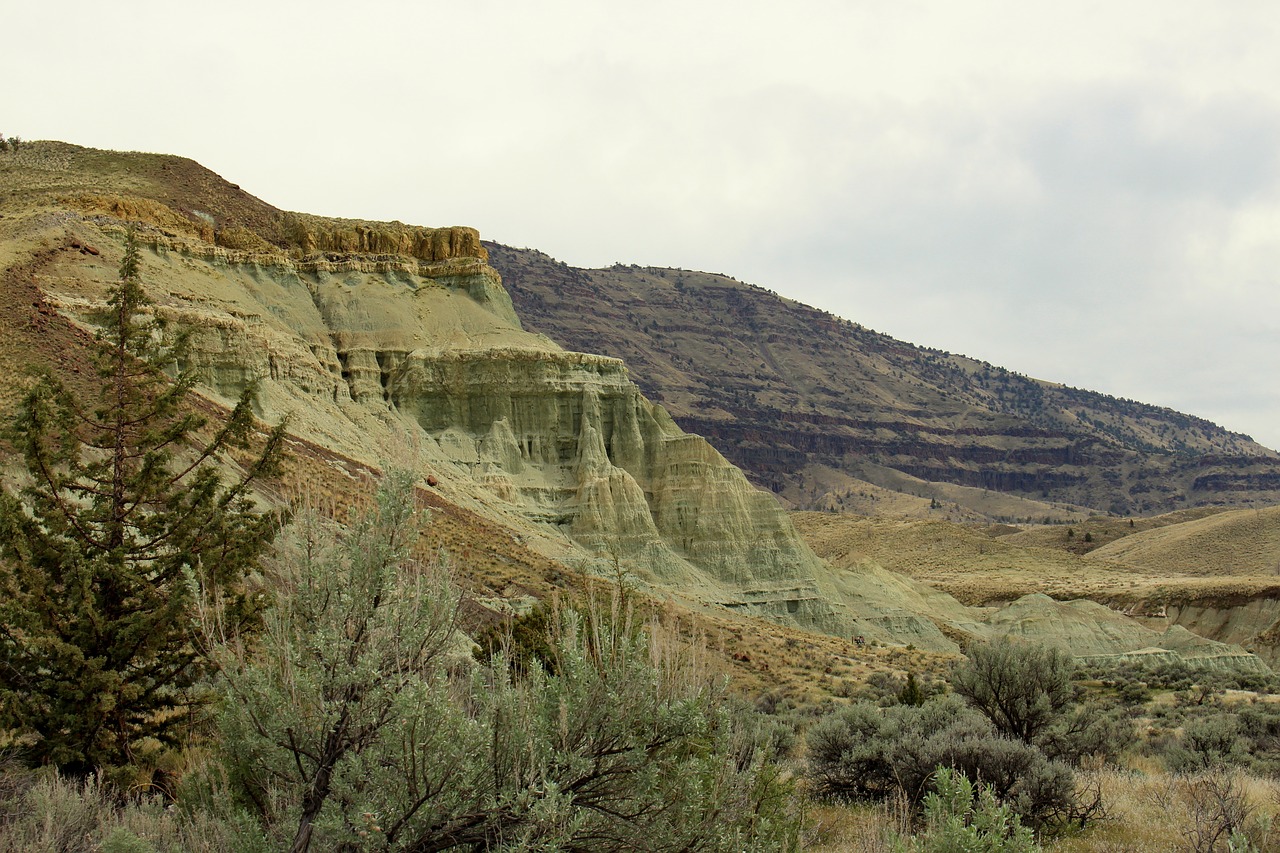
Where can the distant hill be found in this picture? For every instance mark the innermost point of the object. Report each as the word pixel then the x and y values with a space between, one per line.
pixel 1233 543
pixel 1214 572
pixel 817 408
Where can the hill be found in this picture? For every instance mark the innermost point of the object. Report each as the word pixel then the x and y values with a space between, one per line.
pixel 816 408
pixel 386 343
pixel 1212 572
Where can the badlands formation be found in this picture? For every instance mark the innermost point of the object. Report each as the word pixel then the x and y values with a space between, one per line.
pixel 387 344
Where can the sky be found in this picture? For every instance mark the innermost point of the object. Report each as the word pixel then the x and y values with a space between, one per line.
pixel 1083 192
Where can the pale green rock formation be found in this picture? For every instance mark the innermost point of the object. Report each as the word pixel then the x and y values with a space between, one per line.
pixel 893 608
pixel 1093 632
pixel 1252 624
pixel 391 356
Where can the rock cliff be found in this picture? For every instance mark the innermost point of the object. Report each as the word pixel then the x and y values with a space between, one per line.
pixel 815 407
pixel 378 340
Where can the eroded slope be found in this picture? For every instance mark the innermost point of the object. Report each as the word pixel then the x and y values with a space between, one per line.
pixel 796 396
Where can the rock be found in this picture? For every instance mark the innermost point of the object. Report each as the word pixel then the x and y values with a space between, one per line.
pixel 1093 632
pixel 137 209
pixel 373 353
pixel 241 239
pixel 313 234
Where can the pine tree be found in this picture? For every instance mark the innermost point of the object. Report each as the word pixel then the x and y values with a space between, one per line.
pixel 911 694
pixel 125 523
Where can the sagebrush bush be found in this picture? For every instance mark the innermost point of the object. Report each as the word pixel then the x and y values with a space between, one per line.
pixel 352 725
pixel 869 753
pixel 1207 743
pixel 1021 687
pixel 960 817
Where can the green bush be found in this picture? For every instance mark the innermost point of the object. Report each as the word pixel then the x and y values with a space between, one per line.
pixel 1206 744
pixel 1021 687
pixel 353 724
pixel 524 639
pixel 960 817
pixel 867 753
pixel 1090 730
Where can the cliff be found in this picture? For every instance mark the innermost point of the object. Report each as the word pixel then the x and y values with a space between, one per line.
pixel 818 409
pixel 381 341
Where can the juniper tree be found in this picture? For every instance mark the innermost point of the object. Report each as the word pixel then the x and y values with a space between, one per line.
pixel 124 521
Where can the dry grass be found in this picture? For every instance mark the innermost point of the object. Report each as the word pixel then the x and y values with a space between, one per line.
pixel 1243 542
pixel 887 493
pixel 852 828
pixel 961 560
pixel 1145 814
pixel 1101 530
pixel 1168 563
pixel 41 812
pixel 1165 812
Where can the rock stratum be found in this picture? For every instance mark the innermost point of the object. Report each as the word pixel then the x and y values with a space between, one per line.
pixel 823 411
pixel 391 344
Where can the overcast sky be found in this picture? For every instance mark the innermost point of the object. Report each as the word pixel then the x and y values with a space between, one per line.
pixel 1082 192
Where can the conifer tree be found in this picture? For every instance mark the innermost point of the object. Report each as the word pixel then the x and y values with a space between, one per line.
pixel 125 521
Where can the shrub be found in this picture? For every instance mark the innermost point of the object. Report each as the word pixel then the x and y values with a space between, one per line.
pixel 849 753
pixel 1088 731
pixel 350 726
pixel 960 817
pixel 1020 687
pixel 1206 744
pixel 1259 727
pixel 864 752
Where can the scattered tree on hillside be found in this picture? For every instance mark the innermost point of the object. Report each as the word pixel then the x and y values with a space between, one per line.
pixel 124 520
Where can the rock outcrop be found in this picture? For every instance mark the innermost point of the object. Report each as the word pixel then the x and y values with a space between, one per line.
pixel 1093 632
pixel 803 400
pixel 420 347
pixel 311 234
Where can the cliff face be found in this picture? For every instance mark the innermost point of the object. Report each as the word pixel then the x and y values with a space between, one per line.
pixel 814 407
pixel 403 341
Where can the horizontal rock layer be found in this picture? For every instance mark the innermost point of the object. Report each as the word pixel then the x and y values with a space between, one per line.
pixel 370 351
pixel 784 390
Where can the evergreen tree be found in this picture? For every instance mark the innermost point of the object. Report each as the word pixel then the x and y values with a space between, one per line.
pixel 911 693
pixel 124 524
